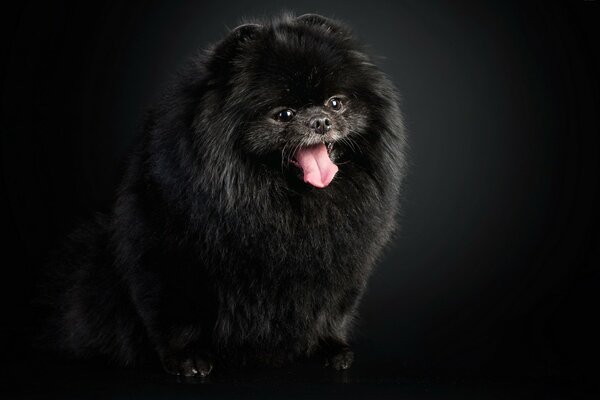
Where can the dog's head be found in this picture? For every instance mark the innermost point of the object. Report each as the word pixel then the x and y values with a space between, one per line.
pixel 298 95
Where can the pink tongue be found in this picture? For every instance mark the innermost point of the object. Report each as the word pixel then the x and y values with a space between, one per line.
pixel 316 165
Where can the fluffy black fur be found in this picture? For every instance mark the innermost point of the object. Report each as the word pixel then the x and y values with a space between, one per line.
pixel 216 251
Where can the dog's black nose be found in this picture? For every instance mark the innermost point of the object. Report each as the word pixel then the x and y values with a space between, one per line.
pixel 319 124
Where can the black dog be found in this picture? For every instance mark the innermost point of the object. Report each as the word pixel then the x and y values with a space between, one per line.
pixel 251 214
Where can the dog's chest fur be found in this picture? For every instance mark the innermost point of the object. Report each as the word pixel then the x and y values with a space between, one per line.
pixel 286 279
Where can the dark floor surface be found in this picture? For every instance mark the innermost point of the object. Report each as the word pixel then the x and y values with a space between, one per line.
pixel 30 376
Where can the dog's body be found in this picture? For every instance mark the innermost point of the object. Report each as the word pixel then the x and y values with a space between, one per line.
pixel 215 250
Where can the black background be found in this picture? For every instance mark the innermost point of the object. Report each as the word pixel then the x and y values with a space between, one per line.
pixel 492 282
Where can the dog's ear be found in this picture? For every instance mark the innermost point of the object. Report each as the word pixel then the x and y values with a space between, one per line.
pixel 313 19
pixel 323 22
pixel 237 37
pixel 245 32
pixel 228 48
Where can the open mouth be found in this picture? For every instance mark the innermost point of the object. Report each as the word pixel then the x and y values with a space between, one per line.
pixel 315 162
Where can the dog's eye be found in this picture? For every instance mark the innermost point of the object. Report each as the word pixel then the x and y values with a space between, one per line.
pixel 335 103
pixel 285 115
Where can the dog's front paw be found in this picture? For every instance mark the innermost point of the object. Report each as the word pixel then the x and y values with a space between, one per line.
pixel 186 364
pixel 342 360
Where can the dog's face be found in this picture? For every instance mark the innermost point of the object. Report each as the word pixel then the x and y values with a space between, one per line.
pixel 303 93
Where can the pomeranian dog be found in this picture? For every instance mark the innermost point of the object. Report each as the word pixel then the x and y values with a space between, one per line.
pixel 263 189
